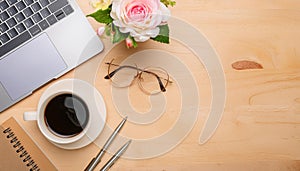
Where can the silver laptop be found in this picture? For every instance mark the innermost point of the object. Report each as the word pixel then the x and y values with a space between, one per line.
pixel 40 40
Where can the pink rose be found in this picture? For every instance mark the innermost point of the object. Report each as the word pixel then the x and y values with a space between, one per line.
pixel 140 18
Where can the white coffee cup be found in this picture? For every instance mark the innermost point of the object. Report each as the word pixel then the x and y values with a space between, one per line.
pixel 84 93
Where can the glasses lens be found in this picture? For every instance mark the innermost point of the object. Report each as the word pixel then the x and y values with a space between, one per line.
pixel 149 82
pixel 123 76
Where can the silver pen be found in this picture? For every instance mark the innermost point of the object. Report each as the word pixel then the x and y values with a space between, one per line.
pixel 115 157
pixel 95 161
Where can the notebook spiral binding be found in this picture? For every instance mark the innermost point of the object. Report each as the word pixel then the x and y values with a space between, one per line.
pixel 20 150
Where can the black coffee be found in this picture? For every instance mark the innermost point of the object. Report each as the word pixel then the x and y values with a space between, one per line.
pixel 66 115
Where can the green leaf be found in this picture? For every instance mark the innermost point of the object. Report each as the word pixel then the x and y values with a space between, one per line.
pixel 135 45
pixel 163 36
pixel 117 35
pixel 168 2
pixel 102 16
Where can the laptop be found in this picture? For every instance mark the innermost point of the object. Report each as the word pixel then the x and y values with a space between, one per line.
pixel 40 40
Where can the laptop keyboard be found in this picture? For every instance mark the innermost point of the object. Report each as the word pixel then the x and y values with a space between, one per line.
pixel 21 20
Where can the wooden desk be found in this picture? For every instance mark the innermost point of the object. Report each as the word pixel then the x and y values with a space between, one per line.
pixel 260 128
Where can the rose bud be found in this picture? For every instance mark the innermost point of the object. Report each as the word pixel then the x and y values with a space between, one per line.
pixel 129 42
pixel 100 31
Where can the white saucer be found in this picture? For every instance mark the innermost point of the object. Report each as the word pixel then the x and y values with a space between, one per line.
pixel 95 104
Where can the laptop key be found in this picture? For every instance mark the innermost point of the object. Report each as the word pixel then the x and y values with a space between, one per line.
pixel 20 27
pixel 35 30
pixel 36 7
pixel 3 28
pixel 68 9
pixel 11 2
pixel 36 17
pixel 20 5
pixel 57 5
pixel 45 12
pixel 11 22
pixel 4 16
pixel 14 43
pixel 20 17
pixel 12 10
pixel 12 33
pixel 28 2
pixel 44 25
pixel 28 12
pixel 44 3
pixel 51 19
pixel 3 5
pixel 4 38
pixel 59 14
pixel 28 23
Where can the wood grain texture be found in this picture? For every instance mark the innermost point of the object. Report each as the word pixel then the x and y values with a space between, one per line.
pixel 260 128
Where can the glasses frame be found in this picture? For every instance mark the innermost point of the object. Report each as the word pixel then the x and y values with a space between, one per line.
pixel 139 75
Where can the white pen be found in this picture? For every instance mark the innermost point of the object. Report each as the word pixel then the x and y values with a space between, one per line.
pixel 115 157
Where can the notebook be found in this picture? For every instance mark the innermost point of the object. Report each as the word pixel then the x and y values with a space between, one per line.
pixel 18 151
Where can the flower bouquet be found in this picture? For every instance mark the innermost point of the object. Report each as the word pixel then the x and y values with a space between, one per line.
pixel 133 20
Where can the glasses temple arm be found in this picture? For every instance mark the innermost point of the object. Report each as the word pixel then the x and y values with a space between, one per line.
pixel 108 76
pixel 118 69
pixel 161 85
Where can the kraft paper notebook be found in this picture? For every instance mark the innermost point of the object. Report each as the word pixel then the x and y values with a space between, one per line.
pixel 18 151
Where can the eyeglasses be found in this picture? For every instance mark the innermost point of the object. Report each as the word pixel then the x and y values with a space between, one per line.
pixel 151 80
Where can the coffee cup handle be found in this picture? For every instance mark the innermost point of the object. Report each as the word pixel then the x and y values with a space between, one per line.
pixel 30 116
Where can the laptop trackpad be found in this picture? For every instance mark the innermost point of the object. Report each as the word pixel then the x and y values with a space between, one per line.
pixel 30 66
